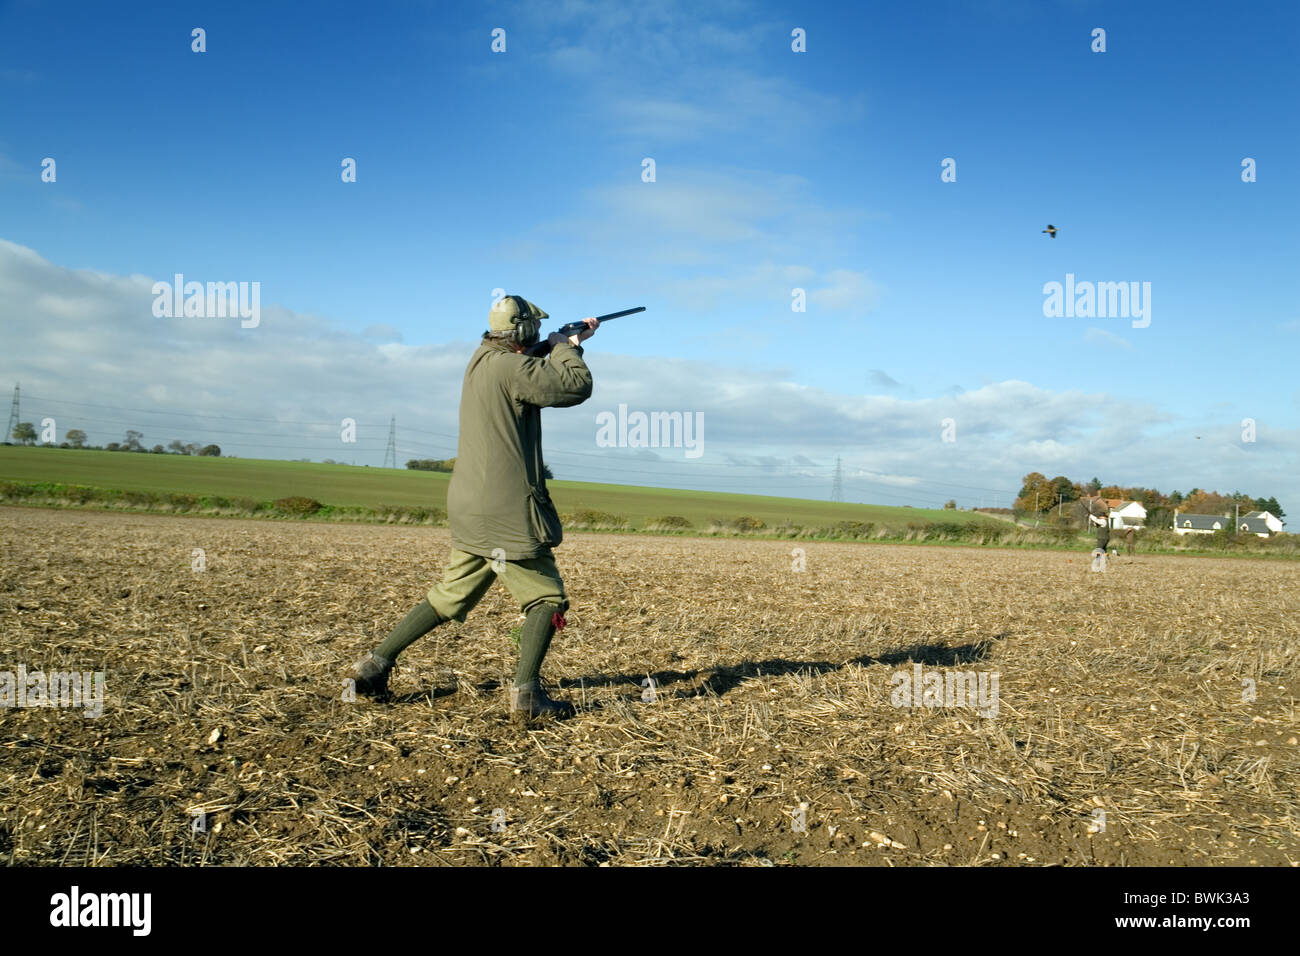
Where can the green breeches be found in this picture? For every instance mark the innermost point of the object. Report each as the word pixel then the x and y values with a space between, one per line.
pixel 468 576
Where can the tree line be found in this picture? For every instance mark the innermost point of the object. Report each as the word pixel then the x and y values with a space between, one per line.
pixel 1050 498
pixel 449 464
pixel 432 464
pixel 25 433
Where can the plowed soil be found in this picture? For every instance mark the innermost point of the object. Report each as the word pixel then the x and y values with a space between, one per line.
pixel 1145 715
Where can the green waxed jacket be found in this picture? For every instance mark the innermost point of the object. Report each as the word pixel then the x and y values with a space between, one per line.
pixel 497 497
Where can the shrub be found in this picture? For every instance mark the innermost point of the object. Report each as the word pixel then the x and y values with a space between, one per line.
pixel 298 506
pixel 425 515
pixel 16 489
pixel 852 529
pixel 400 514
pixel 591 520
pixel 668 523
pixel 78 493
pixel 743 524
pixel 946 529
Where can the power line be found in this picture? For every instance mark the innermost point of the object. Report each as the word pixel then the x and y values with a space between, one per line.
pixel 390 453
pixel 662 470
pixel 14 415
pixel 438 434
pixel 180 414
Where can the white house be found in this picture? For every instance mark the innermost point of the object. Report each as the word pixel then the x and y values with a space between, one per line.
pixel 1122 514
pixel 1259 523
pixel 1131 515
pixel 1199 524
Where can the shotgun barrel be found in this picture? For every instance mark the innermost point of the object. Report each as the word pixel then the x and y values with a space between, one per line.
pixel 570 328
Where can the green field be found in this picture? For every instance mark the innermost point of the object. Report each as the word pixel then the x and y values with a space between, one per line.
pixel 371 487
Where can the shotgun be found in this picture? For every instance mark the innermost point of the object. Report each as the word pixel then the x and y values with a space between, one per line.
pixel 572 328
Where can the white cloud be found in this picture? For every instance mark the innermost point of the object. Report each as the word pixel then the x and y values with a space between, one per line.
pixel 575 59
pixel 85 337
pixel 1106 339
pixel 714 102
pixel 846 292
pixel 79 336
pixel 382 332
pixel 715 237
pixel 659 71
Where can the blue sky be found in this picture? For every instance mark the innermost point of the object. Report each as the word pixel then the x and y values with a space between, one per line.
pixel 774 170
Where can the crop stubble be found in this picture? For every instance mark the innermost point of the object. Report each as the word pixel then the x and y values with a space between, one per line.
pixel 1119 692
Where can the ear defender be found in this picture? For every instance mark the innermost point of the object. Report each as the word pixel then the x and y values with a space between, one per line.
pixel 526 327
pixel 515 320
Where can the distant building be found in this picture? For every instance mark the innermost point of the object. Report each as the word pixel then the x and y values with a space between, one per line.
pixel 1270 521
pixel 1200 524
pixel 1130 515
pixel 1122 514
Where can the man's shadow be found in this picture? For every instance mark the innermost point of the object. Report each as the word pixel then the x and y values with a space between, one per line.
pixel 720 680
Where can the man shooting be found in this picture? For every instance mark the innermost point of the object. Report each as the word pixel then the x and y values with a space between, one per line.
pixel 1099 518
pixel 503 523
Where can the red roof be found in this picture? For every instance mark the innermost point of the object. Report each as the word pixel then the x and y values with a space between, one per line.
pixel 1115 504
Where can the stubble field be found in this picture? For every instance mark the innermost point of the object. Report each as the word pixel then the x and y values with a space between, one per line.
pixel 1143 716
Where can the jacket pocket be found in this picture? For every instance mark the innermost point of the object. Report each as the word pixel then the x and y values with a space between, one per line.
pixel 546 523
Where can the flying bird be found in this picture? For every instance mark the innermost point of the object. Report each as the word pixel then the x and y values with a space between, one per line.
pixel 1050 230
